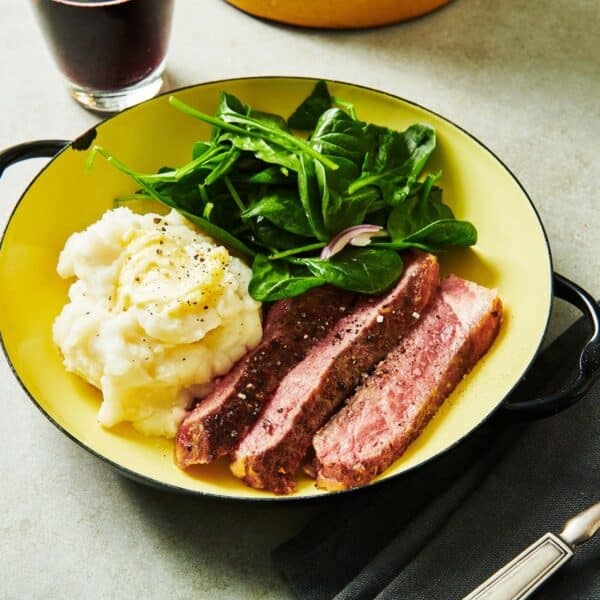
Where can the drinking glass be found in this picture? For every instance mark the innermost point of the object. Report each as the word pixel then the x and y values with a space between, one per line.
pixel 111 52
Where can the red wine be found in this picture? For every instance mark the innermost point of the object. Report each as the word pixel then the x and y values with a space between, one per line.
pixel 106 45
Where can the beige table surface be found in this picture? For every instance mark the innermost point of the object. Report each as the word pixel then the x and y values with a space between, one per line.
pixel 521 75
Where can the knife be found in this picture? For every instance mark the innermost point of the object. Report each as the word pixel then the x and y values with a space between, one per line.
pixel 527 571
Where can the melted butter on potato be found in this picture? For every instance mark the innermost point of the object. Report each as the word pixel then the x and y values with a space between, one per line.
pixel 158 310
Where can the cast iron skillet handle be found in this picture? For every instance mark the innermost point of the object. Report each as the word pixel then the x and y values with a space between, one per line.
pixel 38 149
pixel 589 359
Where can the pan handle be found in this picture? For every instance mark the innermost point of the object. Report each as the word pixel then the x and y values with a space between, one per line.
pixel 37 149
pixel 588 365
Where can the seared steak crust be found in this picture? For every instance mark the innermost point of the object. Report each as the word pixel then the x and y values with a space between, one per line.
pixel 270 454
pixel 393 406
pixel 215 427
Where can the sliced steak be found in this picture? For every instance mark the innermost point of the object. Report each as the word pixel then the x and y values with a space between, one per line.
pixel 393 406
pixel 216 425
pixel 270 454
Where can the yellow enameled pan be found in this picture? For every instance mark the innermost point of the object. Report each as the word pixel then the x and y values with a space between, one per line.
pixel 512 254
pixel 338 14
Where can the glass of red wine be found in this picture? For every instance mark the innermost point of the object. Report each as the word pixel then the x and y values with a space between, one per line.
pixel 112 52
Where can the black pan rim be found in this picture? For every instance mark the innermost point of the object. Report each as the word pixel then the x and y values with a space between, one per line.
pixel 319 496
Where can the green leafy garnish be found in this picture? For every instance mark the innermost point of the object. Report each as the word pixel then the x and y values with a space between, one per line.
pixel 305 117
pixel 366 270
pixel 281 200
pixel 274 280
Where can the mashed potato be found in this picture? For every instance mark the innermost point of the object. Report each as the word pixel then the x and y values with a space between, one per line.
pixel 157 310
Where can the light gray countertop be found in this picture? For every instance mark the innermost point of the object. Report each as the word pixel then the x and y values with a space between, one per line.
pixel 522 76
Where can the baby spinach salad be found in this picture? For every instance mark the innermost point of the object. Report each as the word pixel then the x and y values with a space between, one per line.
pixel 335 207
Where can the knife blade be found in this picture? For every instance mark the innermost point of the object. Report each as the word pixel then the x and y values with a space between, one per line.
pixel 532 567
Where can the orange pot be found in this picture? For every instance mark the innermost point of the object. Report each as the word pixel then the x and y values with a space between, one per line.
pixel 338 14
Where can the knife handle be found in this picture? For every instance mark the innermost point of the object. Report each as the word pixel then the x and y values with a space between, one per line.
pixel 526 572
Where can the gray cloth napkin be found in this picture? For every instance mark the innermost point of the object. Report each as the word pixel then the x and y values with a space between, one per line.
pixel 440 531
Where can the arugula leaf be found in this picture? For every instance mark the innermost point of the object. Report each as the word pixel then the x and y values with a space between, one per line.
pixel 365 270
pixel 274 280
pixel 305 117
pixel 281 207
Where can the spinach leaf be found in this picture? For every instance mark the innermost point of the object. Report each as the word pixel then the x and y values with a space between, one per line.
pixel 424 206
pixel 200 148
pixel 283 208
pixel 183 194
pixel 274 280
pixel 310 197
pixel 365 270
pixel 444 233
pixel 218 233
pixel 224 166
pixel 423 221
pixel 225 212
pixel 230 108
pixel 305 117
pixel 233 117
pixel 268 235
pixel 341 211
pixel 234 193
pixel 338 136
pixel 211 157
pixel 343 139
pixel 273 176
pixel 347 106
pixel 394 160
pixel 390 149
pixel 139 178
pixel 271 119
pixel 229 104
pixel 436 237
pixel 266 151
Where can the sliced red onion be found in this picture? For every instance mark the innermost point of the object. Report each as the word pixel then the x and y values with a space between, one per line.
pixel 359 235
